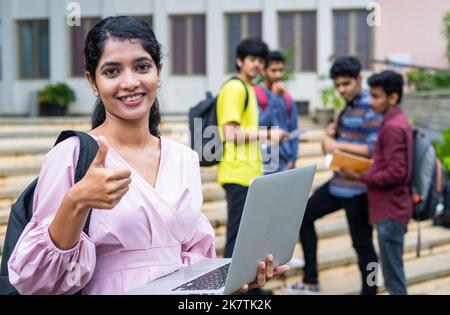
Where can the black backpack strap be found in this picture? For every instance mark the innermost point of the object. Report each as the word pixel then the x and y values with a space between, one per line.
pixel 338 122
pixel 246 90
pixel 88 151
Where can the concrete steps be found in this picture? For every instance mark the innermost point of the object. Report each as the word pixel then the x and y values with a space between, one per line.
pixel 345 279
pixel 439 286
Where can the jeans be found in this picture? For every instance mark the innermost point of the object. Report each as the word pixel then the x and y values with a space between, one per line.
pixel 235 195
pixel 322 203
pixel 391 239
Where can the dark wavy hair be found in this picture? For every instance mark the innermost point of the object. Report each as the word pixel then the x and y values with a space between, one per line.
pixel 121 27
pixel 252 47
pixel 389 81
pixel 347 66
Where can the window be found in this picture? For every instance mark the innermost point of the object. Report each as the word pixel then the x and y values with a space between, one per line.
pixel 239 27
pixel 297 39
pixel 77 39
pixel 33 50
pixel 146 18
pixel 352 36
pixel 188 45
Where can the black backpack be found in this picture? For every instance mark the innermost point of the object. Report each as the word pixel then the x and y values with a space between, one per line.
pixel 442 217
pixel 203 125
pixel 427 184
pixel 22 209
pixel 428 179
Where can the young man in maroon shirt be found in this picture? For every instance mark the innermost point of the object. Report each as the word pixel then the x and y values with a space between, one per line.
pixel 390 204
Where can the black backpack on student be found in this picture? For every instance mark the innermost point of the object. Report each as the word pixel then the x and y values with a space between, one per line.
pixel 22 209
pixel 203 125
pixel 442 218
pixel 427 184
pixel 428 179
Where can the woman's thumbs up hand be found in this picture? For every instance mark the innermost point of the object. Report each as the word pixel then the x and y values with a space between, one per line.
pixel 102 188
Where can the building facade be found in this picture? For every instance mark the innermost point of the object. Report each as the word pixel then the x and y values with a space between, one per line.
pixel 413 32
pixel 199 38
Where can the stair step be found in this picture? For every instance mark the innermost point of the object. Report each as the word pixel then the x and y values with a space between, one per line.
pixel 25 146
pixel 12 186
pixel 209 174
pixel 41 145
pixel 212 191
pixel 346 280
pixel 338 250
pixel 303 121
pixel 329 226
pixel 310 149
pixel 439 286
pixel 30 121
pixel 31 164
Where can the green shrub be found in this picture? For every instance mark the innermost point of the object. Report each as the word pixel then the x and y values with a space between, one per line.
pixel 422 80
pixel 330 96
pixel 443 149
pixel 447 31
pixel 59 94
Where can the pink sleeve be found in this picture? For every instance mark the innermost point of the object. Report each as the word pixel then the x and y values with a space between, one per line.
pixel 200 245
pixel 36 265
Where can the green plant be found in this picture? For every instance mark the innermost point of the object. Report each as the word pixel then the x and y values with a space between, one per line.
pixel 288 57
pixel 330 96
pixel 423 80
pixel 443 149
pixel 59 94
pixel 288 73
pixel 447 31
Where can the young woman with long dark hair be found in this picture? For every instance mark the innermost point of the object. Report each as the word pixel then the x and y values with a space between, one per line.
pixel 145 190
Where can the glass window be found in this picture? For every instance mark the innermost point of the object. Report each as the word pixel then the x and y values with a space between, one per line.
pixel 188 48
pixel 77 40
pixel 239 27
pixel 146 18
pixel 297 39
pixel 34 59
pixel 352 36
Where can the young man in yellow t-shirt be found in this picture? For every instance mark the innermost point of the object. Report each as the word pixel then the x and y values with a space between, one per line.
pixel 239 129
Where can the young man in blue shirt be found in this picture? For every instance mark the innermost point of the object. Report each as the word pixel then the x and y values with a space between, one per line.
pixel 277 109
pixel 355 132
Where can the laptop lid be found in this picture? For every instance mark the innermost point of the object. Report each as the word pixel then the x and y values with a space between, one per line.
pixel 270 224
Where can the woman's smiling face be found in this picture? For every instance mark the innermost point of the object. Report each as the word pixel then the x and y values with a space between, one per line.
pixel 126 79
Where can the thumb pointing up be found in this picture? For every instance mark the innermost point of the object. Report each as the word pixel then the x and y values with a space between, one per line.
pixel 100 158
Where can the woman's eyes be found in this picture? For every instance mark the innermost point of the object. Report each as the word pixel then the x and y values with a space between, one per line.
pixel 143 67
pixel 112 72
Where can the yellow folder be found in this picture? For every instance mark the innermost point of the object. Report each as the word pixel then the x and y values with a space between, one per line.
pixel 355 162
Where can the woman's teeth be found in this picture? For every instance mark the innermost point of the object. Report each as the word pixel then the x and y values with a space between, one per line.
pixel 132 98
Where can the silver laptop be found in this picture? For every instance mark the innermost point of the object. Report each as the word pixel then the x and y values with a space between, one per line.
pixel 270 224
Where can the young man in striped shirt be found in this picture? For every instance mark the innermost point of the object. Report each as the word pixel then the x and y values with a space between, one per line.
pixel 356 132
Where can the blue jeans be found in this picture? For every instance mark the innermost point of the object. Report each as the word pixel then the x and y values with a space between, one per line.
pixel 390 240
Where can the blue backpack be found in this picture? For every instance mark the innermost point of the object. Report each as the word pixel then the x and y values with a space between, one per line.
pixel 22 209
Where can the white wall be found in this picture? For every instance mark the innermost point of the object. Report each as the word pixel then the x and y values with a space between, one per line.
pixel 177 92
pixel 7 101
pixel 25 95
pixel 183 92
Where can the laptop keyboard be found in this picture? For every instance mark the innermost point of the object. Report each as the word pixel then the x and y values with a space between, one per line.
pixel 212 280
